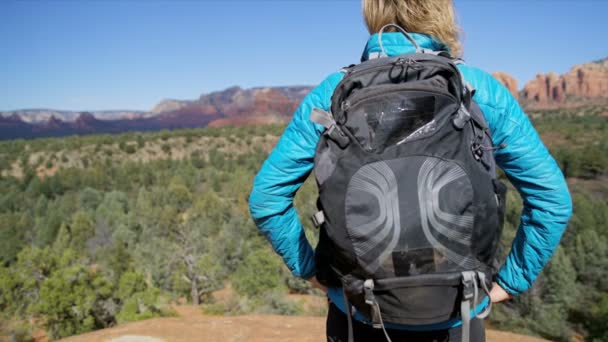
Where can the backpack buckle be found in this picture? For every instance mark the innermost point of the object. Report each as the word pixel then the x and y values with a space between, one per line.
pixel 336 134
pixel 477 151
pixel 326 120
pixel 469 285
pixel 462 117
pixel 368 290
pixel 318 218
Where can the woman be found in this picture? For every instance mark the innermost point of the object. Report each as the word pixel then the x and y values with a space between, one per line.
pixel 525 160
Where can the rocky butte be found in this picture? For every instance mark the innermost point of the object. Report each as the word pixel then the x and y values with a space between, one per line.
pixel 583 84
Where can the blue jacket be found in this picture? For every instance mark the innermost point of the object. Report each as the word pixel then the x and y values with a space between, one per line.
pixel 525 160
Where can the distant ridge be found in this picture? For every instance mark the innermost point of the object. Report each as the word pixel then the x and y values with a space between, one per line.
pixel 232 106
pixel 584 84
pixel 40 115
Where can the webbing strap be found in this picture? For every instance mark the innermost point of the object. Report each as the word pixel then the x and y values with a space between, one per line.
pixel 327 120
pixel 322 118
pixel 486 312
pixel 469 292
pixel 465 310
pixel 462 117
pixel 470 88
pixel 370 299
pixel 382 322
pixel 348 316
pixel 374 55
pixel 318 218
pixel 440 53
pixel 405 33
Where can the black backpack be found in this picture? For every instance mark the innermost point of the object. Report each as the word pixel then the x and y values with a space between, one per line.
pixel 411 210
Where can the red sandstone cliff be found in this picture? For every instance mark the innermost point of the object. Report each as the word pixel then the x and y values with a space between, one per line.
pixel 584 83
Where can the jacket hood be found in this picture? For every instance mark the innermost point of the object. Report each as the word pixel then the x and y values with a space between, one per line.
pixel 395 43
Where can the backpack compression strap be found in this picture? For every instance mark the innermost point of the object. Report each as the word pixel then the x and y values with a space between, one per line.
pixel 470 291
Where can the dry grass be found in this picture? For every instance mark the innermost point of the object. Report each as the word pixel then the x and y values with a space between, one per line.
pixel 179 149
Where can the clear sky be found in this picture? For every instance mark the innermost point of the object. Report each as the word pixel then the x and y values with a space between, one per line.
pixel 94 55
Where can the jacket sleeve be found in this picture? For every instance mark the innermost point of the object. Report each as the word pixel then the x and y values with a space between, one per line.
pixel 547 205
pixel 282 174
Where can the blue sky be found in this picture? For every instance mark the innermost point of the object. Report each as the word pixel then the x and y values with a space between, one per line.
pixel 94 55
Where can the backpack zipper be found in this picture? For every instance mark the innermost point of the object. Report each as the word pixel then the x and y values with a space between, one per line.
pixel 390 88
pixel 411 61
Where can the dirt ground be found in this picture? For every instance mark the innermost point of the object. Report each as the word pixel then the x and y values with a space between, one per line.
pixel 192 325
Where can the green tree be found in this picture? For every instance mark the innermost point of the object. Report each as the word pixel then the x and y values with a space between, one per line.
pixel 21 283
pixel 560 281
pixel 12 237
pixel 71 301
pixel 75 234
pixel 258 273
pixel 90 198
pixel 139 301
pixel 591 259
pixel 597 323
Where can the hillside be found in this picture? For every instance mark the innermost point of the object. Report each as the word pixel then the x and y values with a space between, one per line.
pixel 48 156
pixel 584 84
pixel 232 106
pixel 99 231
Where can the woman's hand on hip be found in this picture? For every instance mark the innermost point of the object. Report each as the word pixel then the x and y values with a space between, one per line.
pixel 498 294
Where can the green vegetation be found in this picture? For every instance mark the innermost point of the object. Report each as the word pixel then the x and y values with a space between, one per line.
pixel 111 235
pixel 578 140
pixel 113 228
pixel 568 300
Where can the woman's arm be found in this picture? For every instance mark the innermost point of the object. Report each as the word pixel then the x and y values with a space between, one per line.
pixel 547 205
pixel 282 174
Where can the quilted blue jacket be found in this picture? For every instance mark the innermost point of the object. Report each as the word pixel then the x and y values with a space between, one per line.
pixel 525 160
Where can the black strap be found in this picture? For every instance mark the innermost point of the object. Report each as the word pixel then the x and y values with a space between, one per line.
pixel 348 316
pixel 417 281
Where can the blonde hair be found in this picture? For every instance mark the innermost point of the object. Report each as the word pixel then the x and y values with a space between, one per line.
pixel 435 18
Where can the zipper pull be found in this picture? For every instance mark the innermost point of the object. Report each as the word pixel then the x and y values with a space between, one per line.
pixel 345 105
